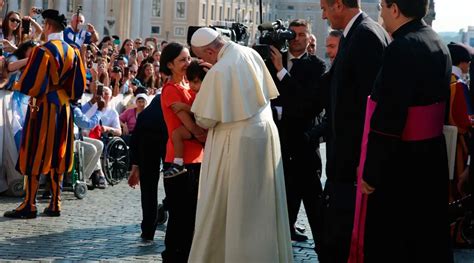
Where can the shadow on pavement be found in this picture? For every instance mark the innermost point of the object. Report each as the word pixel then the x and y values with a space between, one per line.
pixel 112 242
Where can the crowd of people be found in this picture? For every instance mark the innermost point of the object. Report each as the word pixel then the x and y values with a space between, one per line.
pixel 238 136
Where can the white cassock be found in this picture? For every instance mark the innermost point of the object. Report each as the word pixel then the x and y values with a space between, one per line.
pixel 241 211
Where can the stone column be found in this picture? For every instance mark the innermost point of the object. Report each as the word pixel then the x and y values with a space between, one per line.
pixel 13 5
pixel 145 30
pixel 98 16
pixel 86 9
pixel 136 19
pixel 60 5
pixel 122 13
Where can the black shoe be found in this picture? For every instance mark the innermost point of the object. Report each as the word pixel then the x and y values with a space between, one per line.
pixel 300 228
pixel 102 183
pixel 174 170
pixel 51 213
pixel 95 178
pixel 295 236
pixel 20 214
pixel 146 238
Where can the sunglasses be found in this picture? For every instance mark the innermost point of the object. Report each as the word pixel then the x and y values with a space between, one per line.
pixel 13 20
pixel 133 72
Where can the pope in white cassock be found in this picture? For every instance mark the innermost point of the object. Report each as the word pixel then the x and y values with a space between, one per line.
pixel 241 211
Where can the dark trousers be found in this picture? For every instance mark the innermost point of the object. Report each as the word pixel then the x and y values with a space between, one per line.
pixel 338 221
pixel 149 197
pixel 181 200
pixel 303 185
pixel 149 176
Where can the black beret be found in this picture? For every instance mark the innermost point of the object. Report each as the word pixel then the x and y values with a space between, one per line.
pixel 459 53
pixel 54 15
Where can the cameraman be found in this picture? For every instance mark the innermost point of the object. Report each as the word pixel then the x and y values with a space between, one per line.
pixel 297 76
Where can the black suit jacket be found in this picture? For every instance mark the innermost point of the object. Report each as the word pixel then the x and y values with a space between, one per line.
pixel 300 93
pixel 148 142
pixel 352 77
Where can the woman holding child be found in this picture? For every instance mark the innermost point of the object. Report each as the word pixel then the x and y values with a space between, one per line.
pixel 181 189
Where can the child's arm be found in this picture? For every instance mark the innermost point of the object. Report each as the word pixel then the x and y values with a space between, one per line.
pixel 180 106
pixel 191 126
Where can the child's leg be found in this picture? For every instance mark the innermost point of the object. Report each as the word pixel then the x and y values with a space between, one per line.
pixel 177 137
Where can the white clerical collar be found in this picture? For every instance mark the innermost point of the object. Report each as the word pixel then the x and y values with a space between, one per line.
pixel 55 36
pixel 351 22
pixel 457 71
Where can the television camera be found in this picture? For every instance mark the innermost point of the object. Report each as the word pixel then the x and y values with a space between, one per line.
pixel 235 32
pixel 273 34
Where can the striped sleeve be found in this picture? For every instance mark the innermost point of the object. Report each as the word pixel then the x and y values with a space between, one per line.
pixel 35 78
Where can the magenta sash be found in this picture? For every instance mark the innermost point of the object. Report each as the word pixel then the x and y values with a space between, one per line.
pixel 423 122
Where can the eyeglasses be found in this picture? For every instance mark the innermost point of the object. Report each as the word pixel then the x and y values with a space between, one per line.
pixel 13 20
pixel 133 71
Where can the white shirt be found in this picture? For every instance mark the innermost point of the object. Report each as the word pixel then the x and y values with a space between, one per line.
pixel 55 36
pixel 457 71
pixel 110 118
pixel 281 74
pixel 351 22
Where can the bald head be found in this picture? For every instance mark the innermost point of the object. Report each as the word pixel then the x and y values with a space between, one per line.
pixel 77 21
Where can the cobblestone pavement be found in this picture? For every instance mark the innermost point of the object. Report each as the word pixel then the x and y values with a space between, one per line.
pixel 104 226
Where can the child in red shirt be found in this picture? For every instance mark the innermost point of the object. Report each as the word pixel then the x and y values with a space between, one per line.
pixel 195 74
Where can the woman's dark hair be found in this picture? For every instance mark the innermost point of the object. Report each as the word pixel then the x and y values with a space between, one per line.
pixel 6 28
pixel 168 54
pixel 20 53
pixel 105 39
pixel 150 82
pixel 147 60
pixel 411 8
pixel 122 49
pixel 195 70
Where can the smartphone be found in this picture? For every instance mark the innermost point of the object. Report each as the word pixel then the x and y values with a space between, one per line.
pixel 100 90
pixel 126 72
pixel 133 53
pixel 25 24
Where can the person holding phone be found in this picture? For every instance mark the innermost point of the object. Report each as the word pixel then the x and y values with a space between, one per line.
pixel 11 31
pixel 78 35
pixel 31 30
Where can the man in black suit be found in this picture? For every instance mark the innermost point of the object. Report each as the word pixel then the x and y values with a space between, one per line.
pixel 297 75
pixel 148 151
pixel 352 77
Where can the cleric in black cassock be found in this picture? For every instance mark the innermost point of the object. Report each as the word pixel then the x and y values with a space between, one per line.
pixel 406 170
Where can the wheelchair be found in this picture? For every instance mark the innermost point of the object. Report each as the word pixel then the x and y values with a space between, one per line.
pixel 115 159
pixel 78 179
